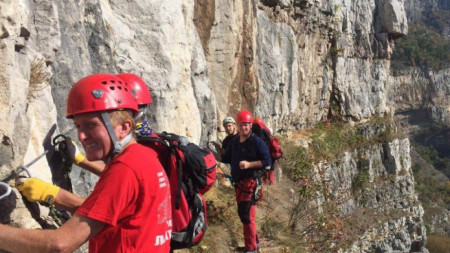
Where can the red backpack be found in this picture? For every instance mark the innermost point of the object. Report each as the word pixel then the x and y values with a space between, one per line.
pixel 275 148
pixel 191 171
pixel 272 143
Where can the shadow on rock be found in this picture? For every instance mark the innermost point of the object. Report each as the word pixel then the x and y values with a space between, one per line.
pixel 7 205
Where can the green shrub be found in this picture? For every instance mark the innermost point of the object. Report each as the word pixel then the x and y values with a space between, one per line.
pixel 331 140
pixel 296 162
pixel 361 181
pixel 423 46
pixel 432 156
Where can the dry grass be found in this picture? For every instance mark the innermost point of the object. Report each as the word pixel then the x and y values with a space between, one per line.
pixel 438 243
pixel 39 77
pixel 224 230
pixel 110 29
pixel 224 233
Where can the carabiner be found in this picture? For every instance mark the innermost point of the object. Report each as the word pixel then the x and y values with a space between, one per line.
pixel 7 188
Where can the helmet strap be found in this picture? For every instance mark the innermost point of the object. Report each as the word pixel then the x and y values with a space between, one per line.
pixel 118 145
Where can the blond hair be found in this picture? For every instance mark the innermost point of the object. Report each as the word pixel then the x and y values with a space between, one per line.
pixel 118 117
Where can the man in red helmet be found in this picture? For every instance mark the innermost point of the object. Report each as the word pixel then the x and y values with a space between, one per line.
pixel 248 156
pixel 143 98
pixel 141 94
pixel 129 209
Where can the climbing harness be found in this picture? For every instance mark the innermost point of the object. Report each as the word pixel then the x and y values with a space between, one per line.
pixel 25 168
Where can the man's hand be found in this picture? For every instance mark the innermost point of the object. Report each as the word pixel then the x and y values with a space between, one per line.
pixel 36 190
pixel 71 151
pixel 244 165
pixel 250 165
pixel 216 144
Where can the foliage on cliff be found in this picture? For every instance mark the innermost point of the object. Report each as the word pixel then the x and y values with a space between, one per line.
pixel 425 44
pixel 422 47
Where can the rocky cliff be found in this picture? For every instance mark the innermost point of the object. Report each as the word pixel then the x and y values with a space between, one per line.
pixel 422 106
pixel 294 63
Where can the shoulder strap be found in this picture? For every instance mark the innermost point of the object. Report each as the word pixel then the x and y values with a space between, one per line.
pixel 148 139
pixel 176 142
pixel 253 140
pixel 169 140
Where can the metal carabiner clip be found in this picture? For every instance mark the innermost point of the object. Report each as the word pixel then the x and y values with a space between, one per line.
pixel 8 190
pixel 15 173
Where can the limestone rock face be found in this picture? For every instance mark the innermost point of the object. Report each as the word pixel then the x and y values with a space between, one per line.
pixel 368 95
pixel 305 57
pixel 403 233
pixel 277 64
pixel 372 182
pixel 392 17
pixel 418 89
pixel 160 44
pixel 27 110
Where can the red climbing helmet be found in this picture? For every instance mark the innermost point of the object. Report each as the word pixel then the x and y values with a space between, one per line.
pixel 138 88
pixel 258 121
pixel 99 92
pixel 244 116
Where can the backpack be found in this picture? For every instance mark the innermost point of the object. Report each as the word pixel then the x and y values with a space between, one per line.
pixel 275 148
pixel 271 141
pixel 191 171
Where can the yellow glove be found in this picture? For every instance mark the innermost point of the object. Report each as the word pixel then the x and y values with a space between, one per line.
pixel 71 151
pixel 36 190
pixel 78 157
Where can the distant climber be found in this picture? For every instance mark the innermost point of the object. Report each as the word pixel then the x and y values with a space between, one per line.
pixel 230 129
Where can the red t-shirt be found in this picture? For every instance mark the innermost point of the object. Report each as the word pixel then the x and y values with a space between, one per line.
pixel 132 197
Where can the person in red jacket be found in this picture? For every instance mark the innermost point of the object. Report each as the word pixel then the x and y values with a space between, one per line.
pixel 129 209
